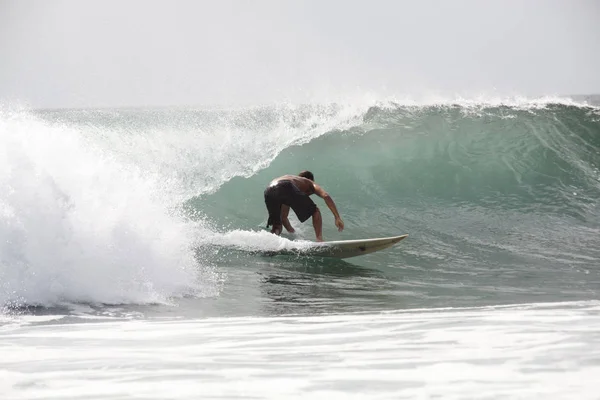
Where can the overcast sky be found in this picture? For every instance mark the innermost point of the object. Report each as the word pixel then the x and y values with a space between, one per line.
pixel 150 53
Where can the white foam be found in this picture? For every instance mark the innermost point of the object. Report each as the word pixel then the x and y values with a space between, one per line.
pixel 525 351
pixel 255 240
pixel 481 101
pixel 78 226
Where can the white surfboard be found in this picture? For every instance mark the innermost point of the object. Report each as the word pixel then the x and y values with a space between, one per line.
pixel 345 248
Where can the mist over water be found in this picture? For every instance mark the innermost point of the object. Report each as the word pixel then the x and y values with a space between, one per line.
pixel 70 54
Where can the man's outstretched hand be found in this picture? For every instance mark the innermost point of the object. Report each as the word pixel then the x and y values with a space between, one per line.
pixel 340 224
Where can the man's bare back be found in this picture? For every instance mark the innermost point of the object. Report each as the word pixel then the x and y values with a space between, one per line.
pixel 305 185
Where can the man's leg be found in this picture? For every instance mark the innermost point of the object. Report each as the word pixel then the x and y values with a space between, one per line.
pixel 285 211
pixel 274 209
pixel 318 224
pixel 276 229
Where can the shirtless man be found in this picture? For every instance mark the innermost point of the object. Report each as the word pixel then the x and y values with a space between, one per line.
pixel 293 191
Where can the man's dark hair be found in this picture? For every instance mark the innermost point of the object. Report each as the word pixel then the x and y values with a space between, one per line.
pixel 307 175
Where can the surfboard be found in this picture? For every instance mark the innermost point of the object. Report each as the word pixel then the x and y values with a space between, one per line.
pixel 345 248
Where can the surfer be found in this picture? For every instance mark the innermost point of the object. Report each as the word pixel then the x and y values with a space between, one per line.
pixel 294 191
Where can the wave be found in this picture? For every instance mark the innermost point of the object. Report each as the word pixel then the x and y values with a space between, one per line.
pixel 539 160
pixel 109 206
pixel 487 186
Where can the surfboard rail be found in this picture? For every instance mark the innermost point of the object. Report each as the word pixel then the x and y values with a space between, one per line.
pixel 344 248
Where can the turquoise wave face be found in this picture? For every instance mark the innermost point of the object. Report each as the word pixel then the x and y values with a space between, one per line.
pixel 535 163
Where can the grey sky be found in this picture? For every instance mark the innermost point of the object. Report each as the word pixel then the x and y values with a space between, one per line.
pixel 136 53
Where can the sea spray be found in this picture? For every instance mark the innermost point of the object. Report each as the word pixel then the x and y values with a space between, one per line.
pixel 79 226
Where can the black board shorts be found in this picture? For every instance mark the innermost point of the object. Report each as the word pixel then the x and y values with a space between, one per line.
pixel 285 192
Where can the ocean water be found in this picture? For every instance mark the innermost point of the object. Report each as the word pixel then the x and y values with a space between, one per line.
pixel 132 252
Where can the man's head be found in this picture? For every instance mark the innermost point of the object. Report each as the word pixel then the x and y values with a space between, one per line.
pixel 307 175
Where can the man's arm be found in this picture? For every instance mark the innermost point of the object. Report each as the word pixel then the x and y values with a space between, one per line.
pixel 319 191
pixel 285 210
